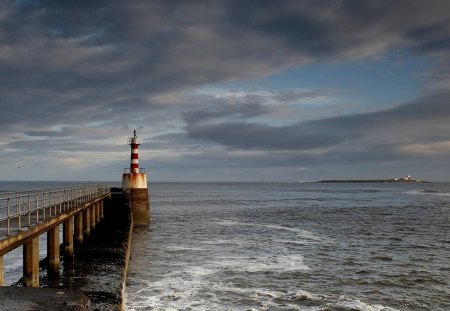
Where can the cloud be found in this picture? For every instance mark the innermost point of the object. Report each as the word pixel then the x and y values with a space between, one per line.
pixel 81 75
pixel 426 119
pixel 258 136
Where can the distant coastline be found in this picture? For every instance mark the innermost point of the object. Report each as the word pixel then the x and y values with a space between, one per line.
pixel 407 179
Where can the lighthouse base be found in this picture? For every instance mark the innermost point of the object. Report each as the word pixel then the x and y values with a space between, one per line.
pixel 135 188
pixel 140 206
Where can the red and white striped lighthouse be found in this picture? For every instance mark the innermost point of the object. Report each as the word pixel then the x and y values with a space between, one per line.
pixel 134 162
pixel 134 185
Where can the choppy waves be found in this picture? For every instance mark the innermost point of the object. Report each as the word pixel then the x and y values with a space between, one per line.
pixel 383 249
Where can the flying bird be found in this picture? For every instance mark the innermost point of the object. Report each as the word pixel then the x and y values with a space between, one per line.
pixel 20 166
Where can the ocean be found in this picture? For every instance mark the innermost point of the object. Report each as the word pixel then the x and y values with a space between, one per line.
pixel 286 246
pixel 293 246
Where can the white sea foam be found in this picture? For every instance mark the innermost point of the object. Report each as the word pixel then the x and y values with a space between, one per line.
pixel 303 234
pixel 283 263
pixel 428 192
pixel 183 248
pixel 234 242
pixel 356 304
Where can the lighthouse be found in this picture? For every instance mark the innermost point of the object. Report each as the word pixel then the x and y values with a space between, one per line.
pixel 134 185
pixel 134 162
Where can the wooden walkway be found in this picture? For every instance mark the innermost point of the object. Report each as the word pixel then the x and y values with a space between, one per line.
pixel 26 215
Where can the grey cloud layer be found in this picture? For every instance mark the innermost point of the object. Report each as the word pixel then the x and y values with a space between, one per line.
pixel 425 120
pixel 104 65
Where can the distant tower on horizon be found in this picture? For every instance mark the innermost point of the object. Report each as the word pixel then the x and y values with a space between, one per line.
pixel 134 185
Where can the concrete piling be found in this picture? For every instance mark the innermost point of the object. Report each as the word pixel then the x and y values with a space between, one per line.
pixel 68 237
pixel 78 227
pixel 87 222
pixel 1 270
pixel 53 250
pixel 92 217
pixel 31 263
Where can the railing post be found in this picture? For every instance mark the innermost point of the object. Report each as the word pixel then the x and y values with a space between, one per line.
pixel 37 207
pixel 29 211
pixel 31 263
pixel 8 216
pixel 68 237
pixel 43 203
pixel 60 202
pixel 18 212
pixel 1 271
pixel 53 250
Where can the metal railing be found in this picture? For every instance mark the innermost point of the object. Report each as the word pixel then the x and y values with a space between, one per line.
pixel 24 209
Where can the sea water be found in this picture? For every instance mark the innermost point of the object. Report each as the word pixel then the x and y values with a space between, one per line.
pixel 286 246
pixel 293 246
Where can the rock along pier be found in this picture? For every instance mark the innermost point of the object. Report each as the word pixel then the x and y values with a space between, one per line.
pixel 87 271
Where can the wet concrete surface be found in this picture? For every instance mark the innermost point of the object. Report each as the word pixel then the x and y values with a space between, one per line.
pixel 97 268
pixel 42 299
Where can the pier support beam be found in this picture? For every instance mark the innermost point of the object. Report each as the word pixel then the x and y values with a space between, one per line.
pixel 87 222
pixel 53 250
pixel 79 228
pixel 102 213
pixel 92 211
pixel 31 263
pixel 97 212
pixel 1 270
pixel 68 237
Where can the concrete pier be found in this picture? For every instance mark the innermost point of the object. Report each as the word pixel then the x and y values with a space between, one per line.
pixel 42 299
pixel 99 266
pixel 92 279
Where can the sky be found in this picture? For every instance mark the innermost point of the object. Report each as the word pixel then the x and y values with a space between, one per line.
pixel 236 90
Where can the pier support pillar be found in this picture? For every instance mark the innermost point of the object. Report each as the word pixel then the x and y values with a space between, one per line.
pixel 97 212
pixel 102 213
pixel 68 237
pixel 1 270
pixel 87 222
pixel 92 211
pixel 31 263
pixel 53 250
pixel 79 228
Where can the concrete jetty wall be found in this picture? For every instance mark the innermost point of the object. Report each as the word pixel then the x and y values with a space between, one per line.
pixel 94 278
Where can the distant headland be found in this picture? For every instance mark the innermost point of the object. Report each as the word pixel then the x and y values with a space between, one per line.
pixel 407 179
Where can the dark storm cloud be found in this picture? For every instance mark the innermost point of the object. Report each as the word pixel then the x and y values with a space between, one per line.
pixel 258 136
pixel 425 120
pixel 61 57
pixel 75 70
pixel 222 108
